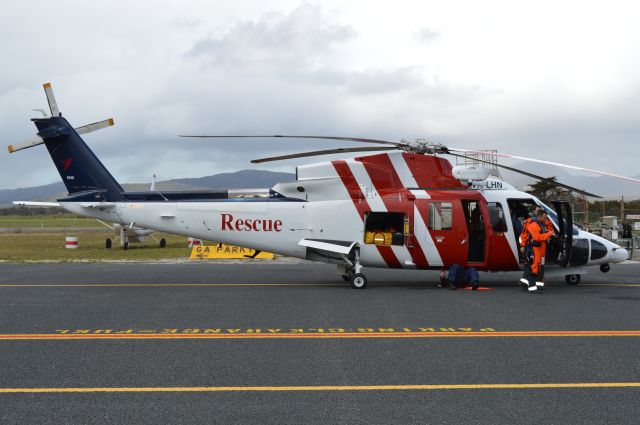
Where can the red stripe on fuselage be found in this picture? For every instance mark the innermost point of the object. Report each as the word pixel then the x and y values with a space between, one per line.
pixel 388 184
pixel 350 182
pixel 432 172
pixel 362 206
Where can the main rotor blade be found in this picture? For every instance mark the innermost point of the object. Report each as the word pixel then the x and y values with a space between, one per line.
pixel 535 176
pixel 323 152
pixel 557 164
pixel 348 139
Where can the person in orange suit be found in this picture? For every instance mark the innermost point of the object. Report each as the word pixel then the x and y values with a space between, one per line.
pixel 538 236
pixel 525 246
pixel 524 235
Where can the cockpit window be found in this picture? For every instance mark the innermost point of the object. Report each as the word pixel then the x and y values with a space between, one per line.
pixel 598 250
pixel 496 215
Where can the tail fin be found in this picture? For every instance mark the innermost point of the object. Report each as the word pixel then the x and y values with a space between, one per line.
pixel 80 170
pixel 78 166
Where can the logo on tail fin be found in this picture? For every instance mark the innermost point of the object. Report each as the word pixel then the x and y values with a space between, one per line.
pixel 66 163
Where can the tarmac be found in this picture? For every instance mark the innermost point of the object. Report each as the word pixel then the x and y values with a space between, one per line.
pixel 289 342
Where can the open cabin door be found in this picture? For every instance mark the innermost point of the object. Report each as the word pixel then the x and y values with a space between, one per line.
pixel 561 250
pixel 475 220
pixel 447 231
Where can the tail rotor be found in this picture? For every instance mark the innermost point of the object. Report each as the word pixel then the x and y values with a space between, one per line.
pixel 55 112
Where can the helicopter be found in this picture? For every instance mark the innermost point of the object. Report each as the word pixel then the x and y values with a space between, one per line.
pixel 402 205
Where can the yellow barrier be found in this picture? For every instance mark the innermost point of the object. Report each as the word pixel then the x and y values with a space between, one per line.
pixel 222 251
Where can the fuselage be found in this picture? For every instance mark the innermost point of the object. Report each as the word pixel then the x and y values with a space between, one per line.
pixel 434 219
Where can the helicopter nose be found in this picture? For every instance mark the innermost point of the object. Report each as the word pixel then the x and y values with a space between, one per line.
pixel 618 255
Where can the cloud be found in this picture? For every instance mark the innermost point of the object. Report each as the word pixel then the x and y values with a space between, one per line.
pixel 373 81
pixel 334 67
pixel 426 35
pixel 297 40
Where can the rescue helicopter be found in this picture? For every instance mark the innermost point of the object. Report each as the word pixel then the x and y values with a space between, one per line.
pixel 402 205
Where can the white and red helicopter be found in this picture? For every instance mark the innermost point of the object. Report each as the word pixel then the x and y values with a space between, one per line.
pixel 405 206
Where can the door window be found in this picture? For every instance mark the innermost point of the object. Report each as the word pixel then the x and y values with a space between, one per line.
pixel 440 216
pixel 497 218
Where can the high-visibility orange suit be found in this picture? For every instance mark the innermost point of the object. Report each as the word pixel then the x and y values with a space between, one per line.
pixel 524 235
pixel 538 235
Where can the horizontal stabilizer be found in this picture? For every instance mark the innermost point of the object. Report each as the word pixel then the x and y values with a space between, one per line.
pixel 98 205
pixel 36 204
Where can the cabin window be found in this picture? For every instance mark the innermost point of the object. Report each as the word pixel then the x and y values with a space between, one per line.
pixel 440 216
pixel 384 228
pixel 496 216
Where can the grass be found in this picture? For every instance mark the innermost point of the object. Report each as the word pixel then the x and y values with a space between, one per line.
pixel 42 238
pixel 47 221
pixel 91 246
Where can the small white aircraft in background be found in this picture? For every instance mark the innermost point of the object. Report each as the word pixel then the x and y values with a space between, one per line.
pixel 131 233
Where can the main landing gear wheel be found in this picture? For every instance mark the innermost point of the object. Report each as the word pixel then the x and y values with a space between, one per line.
pixel 107 243
pixel 359 281
pixel 572 279
pixel 163 243
pixel 126 246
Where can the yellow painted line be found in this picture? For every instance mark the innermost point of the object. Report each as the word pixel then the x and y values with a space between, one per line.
pixel 429 387
pixel 317 335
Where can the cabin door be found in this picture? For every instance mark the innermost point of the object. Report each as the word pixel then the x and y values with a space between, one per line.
pixel 448 231
pixel 476 233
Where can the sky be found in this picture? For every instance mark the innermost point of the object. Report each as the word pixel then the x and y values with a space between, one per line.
pixel 556 80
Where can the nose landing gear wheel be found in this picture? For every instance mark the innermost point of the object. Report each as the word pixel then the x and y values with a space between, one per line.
pixel 358 281
pixel 572 279
pixel 163 243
